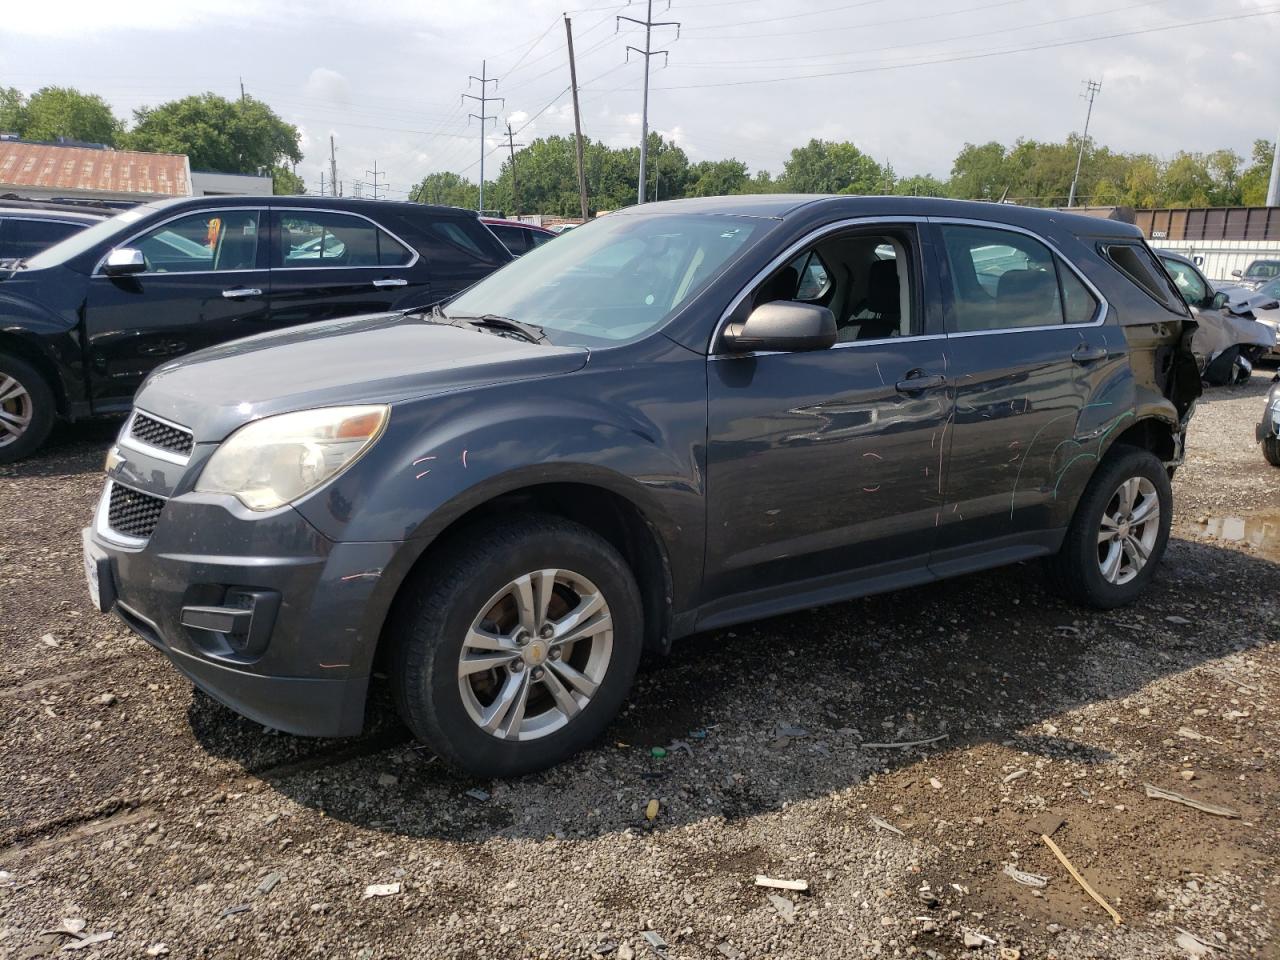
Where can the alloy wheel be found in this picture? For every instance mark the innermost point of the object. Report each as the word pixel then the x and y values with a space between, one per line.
pixel 535 654
pixel 15 410
pixel 1129 530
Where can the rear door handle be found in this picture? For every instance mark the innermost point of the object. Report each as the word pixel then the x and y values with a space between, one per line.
pixel 914 385
pixel 1085 353
pixel 397 282
pixel 236 293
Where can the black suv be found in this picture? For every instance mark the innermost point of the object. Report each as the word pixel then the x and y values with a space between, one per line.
pixel 675 418
pixel 83 323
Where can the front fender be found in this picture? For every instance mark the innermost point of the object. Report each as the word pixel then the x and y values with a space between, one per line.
pixel 1269 426
pixel 42 335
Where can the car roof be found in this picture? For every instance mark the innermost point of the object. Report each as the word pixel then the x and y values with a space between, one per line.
pixel 783 206
pixel 347 204
pixel 52 211
pixel 1175 255
pixel 504 222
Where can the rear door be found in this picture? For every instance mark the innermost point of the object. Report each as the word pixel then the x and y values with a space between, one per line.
pixel 331 263
pixel 206 282
pixel 1028 360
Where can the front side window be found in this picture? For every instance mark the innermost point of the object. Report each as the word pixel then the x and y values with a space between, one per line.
pixel 1186 279
pixel 1001 280
pixel 864 279
pixel 322 239
pixel 613 280
pixel 209 241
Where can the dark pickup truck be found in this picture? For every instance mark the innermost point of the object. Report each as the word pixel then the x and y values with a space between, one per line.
pixel 84 322
pixel 678 417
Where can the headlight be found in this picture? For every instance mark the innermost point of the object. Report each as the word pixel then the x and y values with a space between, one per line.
pixel 273 461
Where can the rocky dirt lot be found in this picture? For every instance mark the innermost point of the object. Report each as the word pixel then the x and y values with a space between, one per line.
pixel 132 806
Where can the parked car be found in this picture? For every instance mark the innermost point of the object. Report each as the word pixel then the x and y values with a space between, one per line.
pixel 28 227
pixel 1228 340
pixel 680 417
pixel 517 236
pixel 1262 305
pixel 82 323
pixel 1256 274
pixel 1268 429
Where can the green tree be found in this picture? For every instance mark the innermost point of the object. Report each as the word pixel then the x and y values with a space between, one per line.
pixel 1187 181
pixel 979 172
pixel 1256 177
pixel 286 183
pixel 12 107
pixel 717 178
pixel 231 136
pixel 823 166
pixel 448 188
pixel 921 185
pixel 54 112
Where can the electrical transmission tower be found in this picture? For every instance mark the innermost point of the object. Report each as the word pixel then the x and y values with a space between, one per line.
pixel 1091 90
pixel 483 116
pixel 515 189
pixel 648 53
pixel 373 184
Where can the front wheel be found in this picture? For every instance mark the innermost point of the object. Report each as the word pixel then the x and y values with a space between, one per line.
pixel 518 646
pixel 1118 533
pixel 26 408
pixel 1271 450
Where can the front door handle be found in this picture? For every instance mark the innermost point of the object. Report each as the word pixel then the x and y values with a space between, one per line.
pixel 235 293
pixel 1086 353
pixel 396 282
pixel 917 383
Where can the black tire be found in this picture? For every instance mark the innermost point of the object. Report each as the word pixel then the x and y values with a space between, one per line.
pixel 38 403
pixel 1271 450
pixel 442 599
pixel 1075 570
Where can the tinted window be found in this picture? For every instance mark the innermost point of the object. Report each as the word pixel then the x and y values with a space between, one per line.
pixel 514 239
pixel 1263 270
pixel 1136 262
pixel 1000 280
pixel 537 238
pixel 318 239
pixel 26 238
pixel 1078 303
pixel 212 240
pixel 1186 279
pixel 456 234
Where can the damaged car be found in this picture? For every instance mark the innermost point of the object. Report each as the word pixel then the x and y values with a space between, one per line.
pixel 1268 429
pixel 681 417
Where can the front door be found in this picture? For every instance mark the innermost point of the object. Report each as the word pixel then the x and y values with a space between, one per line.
pixel 825 463
pixel 329 264
pixel 206 282
pixel 1029 362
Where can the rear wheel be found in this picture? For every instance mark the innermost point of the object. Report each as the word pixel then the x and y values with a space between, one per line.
pixel 1119 531
pixel 520 647
pixel 1271 450
pixel 26 408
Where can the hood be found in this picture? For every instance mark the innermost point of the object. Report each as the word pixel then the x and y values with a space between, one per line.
pixel 373 359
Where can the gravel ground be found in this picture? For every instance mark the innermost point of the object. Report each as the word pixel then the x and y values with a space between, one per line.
pixel 132 805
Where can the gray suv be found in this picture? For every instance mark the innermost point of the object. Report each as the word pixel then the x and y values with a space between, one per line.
pixel 676 418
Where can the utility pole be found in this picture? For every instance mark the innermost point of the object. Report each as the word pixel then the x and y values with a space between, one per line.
pixel 1091 90
pixel 333 166
pixel 374 184
pixel 515 188
pixel 648 53
pixel 322 183
pixel 484 98
pixel 1273 186
pixel 577 118
pixel 242 89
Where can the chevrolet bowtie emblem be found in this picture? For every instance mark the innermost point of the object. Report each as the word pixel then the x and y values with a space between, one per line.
pixel 114 459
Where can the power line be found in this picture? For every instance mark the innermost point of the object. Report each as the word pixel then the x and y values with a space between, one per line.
pixel 648 53
pixel 892 21
pixel 796 16
pixel 1091 91
pixel 374 182
pixel 981 55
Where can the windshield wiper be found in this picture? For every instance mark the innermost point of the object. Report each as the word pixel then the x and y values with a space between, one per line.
pixel 501 326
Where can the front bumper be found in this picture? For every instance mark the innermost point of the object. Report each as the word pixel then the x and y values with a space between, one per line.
pixel 260 611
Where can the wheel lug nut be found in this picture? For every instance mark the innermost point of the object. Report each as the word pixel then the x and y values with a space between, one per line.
pixel 555 653
pixel 517 666
pixel 547 631
pixel 537 674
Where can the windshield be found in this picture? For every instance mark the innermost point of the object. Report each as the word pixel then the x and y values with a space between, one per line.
pixel 613 280
pixel 1263 269
pixel 87 239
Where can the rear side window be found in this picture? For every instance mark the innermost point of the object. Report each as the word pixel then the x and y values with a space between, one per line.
pixel 514 238
pixel 323 239
pixel 1136 262
pixel 26 238
pixel 1000 280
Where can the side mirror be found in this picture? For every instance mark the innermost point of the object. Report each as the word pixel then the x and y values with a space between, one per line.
pixel 1219 300
pixel 1269 305
pixel 1198 260
pixel 1237 274
pixel 783 325
pixel 124 261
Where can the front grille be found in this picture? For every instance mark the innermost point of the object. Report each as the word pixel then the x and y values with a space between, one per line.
pixel 132 512
pixel 156 433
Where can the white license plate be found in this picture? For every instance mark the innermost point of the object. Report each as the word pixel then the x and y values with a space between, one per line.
pixel 92 555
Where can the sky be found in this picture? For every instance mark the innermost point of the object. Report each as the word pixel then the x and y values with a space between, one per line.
pixel 908 81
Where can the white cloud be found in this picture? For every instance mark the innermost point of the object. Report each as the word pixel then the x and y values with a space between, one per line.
pixel 326 84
